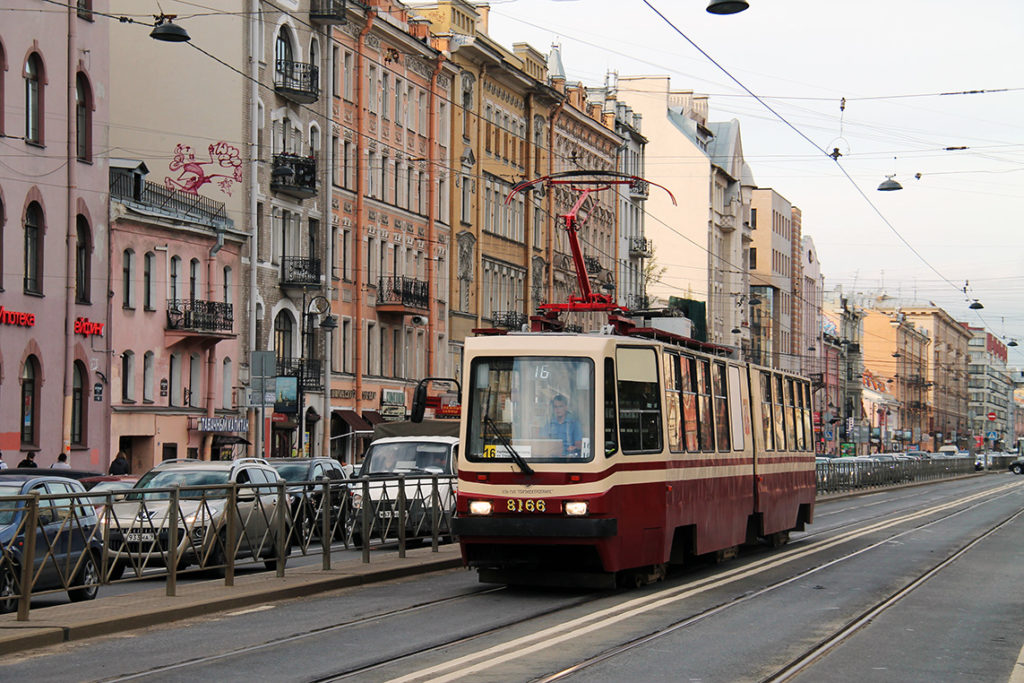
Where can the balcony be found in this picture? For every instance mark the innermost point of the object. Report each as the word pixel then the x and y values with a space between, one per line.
pixel 400 294
pixel 593 265
pixel 297 271
pixel 640 247
pixel 328 12
pixel 198 318
pixel 510 320
pixel 638 302
pixel 639 189
pixel 297 81
pixel 308 370
pixel 135 192
pixel 294 175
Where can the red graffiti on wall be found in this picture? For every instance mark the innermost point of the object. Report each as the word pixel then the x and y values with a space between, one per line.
pixel 193 176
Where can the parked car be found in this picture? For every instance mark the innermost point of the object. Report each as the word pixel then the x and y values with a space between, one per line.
pixel 418 459
pixel 116 484
pixel 67 547
pixel 138 525
pixel 1017 466
pixel 305 499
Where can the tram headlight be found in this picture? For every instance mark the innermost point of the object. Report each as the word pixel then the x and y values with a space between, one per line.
pixel 576 508
pixel 480 507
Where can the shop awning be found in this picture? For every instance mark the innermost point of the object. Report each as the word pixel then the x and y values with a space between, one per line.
pixel 373 417
pixel 353 420
pixel 222 440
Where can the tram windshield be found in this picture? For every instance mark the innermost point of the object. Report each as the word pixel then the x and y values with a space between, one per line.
pixel 540 406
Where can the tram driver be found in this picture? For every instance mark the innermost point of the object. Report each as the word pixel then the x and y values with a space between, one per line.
pixel 563 426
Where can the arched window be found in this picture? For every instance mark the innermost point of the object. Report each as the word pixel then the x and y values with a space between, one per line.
pixel 33 249
pixel 83 118
pixel 283 55
pixel 226 385
pixel 83 262
pixel 78 404
pixel 176 280
pixel 29 402
pixel 128 279
pixel 193 280
pixel 148 375
pixel 34 89
pixel 284 327
pixel 128 377
pixel 148 270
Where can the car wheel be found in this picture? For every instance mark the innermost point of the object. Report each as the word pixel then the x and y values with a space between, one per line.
pixel 271 563
pixel 216 561
pixel 1017 469
pixel 8 592
pixel 88 578
pixel 116 570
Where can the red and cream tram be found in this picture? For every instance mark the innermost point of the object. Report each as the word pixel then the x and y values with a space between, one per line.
pixel 587 458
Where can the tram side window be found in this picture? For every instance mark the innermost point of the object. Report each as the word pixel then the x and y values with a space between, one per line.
pixel 766 411
pixel 790 430
pixel 798 414
pixel 672 387
pixel 707 423
pixel 611 423
pixel 778 418
pixel 721 406
pixel 807 417
pixel 639 400
pixel 687 378
pixel 737 409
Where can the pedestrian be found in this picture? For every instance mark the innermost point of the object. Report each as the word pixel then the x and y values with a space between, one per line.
pixel 62 463
pixel 120 464
pixel 3 465
pixel 564 427
pixel 28 461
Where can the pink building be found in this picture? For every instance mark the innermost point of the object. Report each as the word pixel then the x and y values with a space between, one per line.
pixel 53 234
pixel 175 278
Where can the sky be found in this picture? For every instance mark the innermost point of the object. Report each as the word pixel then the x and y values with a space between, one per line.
pixel 957 225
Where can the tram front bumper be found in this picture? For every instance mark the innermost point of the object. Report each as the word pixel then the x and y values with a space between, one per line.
pixel 541 527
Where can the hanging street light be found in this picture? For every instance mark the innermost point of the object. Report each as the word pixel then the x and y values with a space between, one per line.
pixel 976 306
pixel 889 184
pixel 727 6
pixel 167 31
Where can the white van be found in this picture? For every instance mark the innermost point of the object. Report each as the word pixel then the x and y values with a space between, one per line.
pixel 949 450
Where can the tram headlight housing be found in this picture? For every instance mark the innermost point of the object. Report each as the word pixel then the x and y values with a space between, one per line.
pixel 480 507
pixel 576 508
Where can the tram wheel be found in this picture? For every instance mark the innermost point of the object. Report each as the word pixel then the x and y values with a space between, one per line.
pixel 778 539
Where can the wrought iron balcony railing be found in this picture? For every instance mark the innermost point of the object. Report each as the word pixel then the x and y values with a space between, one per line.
pixel 297 81
pixel 640 247
pixel 196 315
pixel 308 370
pixel 639 189
pixel 294 175
pixel 406 291
pixel 593 265
pixel 299 271
pixel 638 302
pixel 509 320
pixel 182 206
pixel 328 11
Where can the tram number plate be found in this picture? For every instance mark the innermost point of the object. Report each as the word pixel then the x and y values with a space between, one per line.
pixel 525 505
pixel 140 537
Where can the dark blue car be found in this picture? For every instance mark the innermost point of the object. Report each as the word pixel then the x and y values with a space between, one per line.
pixel 67 545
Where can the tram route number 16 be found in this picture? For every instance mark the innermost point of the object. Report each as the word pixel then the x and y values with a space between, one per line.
pixel 525 505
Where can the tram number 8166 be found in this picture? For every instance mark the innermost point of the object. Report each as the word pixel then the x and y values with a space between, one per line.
pixel 525 505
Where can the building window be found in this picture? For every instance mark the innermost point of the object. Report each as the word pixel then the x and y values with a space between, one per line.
pixel 226 386
pixel 195 389
pixel 83 118
pixel 78 404
pixel 29 401
pixel 193 280
pixel 148 265
pixel 175 376
pixel 33 249
pixel 283 55
pixel 34 90
pixel 147 377
pixel 284 330
pixel 128 377
pixel 128 279
pixel 83 262
pixel 228 299
pixel 176 279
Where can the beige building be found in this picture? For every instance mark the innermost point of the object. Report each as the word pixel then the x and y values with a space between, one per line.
pixel 771 280
pixel 896 352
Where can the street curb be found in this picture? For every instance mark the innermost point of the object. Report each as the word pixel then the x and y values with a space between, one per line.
pixel 51 632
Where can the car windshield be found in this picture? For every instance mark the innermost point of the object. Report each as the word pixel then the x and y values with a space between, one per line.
pixel 8 509
pixel 292 471
pixel 407 457
pixel 156 479
pixel 541 407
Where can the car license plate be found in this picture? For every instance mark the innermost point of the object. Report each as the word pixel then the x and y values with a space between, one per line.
pixel 140 537
pixel 388 514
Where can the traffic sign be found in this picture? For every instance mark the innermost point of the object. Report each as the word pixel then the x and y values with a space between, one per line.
pixel 992 416
pixel 992 435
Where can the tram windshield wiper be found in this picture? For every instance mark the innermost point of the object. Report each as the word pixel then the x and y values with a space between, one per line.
pixel 518 459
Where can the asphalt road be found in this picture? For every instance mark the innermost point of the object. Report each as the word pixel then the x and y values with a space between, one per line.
pixel 949 551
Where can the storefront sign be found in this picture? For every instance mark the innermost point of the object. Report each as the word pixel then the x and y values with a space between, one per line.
pixel 392 397
pixel 286 398
pixel 224 424
pixel 343 393
pixel 87 328
pixel 17 319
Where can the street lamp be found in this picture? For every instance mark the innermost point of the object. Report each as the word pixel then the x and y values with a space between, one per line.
pixel 167 31
pixel 317 306
pixel 727 6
